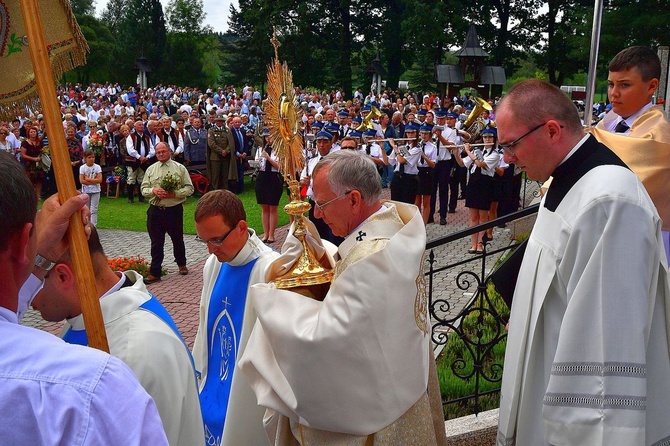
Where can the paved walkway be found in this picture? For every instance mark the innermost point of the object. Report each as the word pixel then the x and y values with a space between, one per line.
pixel 181 294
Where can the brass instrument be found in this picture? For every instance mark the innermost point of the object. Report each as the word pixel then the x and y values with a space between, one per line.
pixel 367 121
pixel 474 124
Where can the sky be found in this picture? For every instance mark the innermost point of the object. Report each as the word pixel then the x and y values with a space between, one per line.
pixel 216 11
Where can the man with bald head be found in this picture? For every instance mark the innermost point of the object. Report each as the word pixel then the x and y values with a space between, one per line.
pixel 587 359
pixel 166 212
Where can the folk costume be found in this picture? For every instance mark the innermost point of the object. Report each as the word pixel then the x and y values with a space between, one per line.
pixel 142 334
pixel 351 369
pixel 587 359
pixel 228 404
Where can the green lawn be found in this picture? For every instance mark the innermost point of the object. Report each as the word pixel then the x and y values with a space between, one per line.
pixel 119 214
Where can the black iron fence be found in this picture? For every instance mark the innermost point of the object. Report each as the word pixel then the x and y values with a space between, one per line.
pixel 473 337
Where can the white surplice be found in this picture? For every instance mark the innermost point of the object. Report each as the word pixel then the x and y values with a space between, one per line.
pixel 587 358
pixel 355 363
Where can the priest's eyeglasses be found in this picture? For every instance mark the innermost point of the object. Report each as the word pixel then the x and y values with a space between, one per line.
pixel 321 206
pixel 508 147
pixel 215 241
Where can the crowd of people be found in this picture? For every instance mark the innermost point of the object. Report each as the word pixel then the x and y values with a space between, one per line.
pixel 587 358
pixel 220 132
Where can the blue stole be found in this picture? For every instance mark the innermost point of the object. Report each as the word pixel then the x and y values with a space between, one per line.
pixel 224 329
pixel 154 306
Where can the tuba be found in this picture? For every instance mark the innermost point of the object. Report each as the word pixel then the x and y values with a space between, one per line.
pixel 474 124
pixel 367 121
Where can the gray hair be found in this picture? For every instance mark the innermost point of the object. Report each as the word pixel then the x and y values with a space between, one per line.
pixel 349 170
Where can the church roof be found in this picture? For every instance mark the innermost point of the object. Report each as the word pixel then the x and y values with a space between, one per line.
pixel 471 48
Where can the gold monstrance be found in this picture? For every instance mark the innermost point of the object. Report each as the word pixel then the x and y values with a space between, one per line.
pixel 282 119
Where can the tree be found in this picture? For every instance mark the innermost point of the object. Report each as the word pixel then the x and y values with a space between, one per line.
pixel 140 31
pixel 98 61
pixel 185 16
pixel 113 15
pixel 567 26
pixel 82 7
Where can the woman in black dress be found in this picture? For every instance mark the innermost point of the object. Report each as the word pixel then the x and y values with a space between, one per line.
pixel 269 187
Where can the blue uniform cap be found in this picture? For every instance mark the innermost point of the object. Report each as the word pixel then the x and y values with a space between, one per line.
pixel 489 131
pixel 357 119
pixel 343 114
pixel 424 128
pixel 355 134
pixel 370 132
pixel 441 113
pixel 318 125
pixel 452 115
pixel 332 128
pixel 324 135
pixel 421 112
pixel 411 127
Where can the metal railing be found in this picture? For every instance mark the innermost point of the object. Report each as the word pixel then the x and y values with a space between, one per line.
pixel 479 325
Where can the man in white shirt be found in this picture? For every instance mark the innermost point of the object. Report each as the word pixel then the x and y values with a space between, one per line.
pixel 52 392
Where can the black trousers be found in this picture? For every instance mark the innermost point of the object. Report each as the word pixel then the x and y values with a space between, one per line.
pixel 441 185
pixel 459 176
pixel 162 220
pixel 404 187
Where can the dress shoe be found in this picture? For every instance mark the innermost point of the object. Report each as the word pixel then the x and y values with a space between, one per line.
pixel 443 221
pixel 151 279
pixel 183 270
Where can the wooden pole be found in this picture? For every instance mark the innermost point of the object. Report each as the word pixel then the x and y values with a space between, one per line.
pixel 79 253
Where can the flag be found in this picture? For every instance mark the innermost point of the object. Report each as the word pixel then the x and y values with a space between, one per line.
pixel 66 45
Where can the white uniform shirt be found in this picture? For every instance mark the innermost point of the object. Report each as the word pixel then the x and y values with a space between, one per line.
pixel 52 393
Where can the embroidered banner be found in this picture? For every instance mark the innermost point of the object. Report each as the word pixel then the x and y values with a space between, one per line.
pixel 65 43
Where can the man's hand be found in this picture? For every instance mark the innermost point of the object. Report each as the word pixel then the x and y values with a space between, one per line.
pixel 160 192
pixel 52 222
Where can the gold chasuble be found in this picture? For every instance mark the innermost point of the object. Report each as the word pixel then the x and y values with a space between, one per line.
pixel 646 150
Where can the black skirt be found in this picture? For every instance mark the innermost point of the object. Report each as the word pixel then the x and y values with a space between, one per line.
pixel 479 191
pixel 426 181
pixel 498 188
pixel 269 187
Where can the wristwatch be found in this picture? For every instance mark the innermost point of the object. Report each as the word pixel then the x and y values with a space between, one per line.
pixel 43 263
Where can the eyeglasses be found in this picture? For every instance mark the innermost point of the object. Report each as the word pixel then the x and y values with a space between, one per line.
pixel 215 241
pixel 321 206
pixel 508 147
